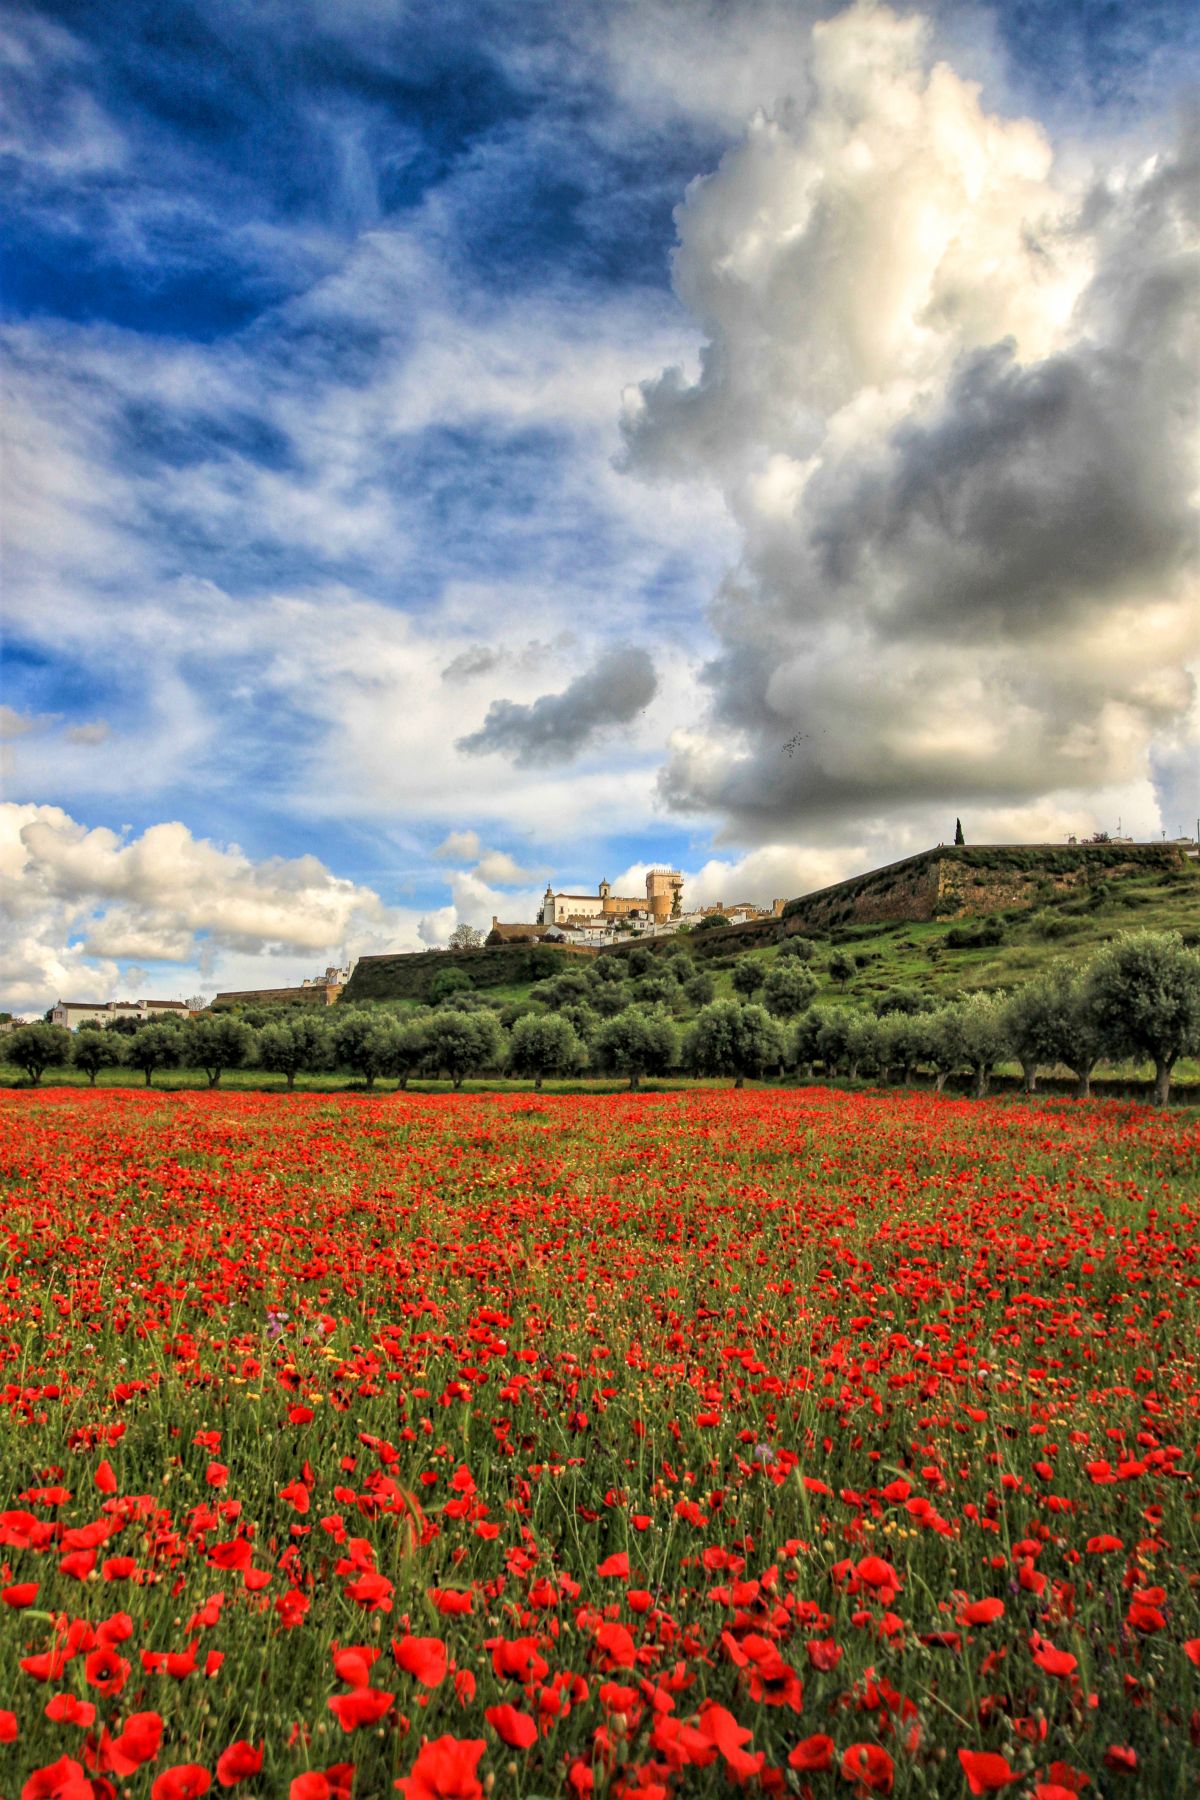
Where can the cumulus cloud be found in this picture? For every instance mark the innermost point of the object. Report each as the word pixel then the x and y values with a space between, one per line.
pixel 458 846
pixel 620 684
pixel 948 394
pixel 81 901
pixel 490 865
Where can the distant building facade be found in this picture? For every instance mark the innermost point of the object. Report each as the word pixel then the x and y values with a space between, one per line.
pixel 663 900
pixel 71 1014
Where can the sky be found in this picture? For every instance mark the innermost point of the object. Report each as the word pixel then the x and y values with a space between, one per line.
pixel 450 449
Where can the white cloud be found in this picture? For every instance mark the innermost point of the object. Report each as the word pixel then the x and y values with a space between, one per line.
pixel 941 395
pixel 459 846
pixel 81 902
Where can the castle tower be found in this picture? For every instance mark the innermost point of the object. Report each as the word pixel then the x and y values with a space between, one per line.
pixel 664 889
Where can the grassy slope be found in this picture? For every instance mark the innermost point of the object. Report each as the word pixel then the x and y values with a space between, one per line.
pixel 919 956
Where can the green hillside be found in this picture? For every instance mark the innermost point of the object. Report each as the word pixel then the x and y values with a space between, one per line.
pixel 940 957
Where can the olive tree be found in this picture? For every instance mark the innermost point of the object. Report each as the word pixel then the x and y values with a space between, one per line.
pixel 700 988
pixel 462 1043
pixel 946 1047
pixel 298 1045
pixel 902 1040
pixel 639 1041
pixel 94 1048
pixel 806 1039
pixel 544 1044
pixel 840 967
pixel 154 1047
pixel 362 1043
pixel 984 1036
pixel 788 989
pixel 747 976
pixel 407 1050
pixel 1144 991
pixel 218 1042
pixel 36 1048
pixel 1051 1020
pixel 728 1039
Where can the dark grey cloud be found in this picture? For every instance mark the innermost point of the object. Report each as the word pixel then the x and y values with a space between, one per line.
pixel 556 727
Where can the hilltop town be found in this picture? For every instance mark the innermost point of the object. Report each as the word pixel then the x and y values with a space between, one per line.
pixel 606 918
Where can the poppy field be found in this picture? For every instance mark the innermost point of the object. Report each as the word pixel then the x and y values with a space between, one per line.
pixel 787 1442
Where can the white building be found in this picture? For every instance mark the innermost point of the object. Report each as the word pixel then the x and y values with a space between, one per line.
pixel 71 1014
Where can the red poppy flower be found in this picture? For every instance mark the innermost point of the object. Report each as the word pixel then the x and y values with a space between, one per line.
pixel 424 1658
pixel 514 1727
pixel 353 1664
pixel 812 1754
pixel 617 1564
pixel 445 1770
pixel 9 1731
pixel 1121 1759
pixel 982 1612
pixel 65 1709
pixel 106 1671
pixel 21 1593
pixel 238 1763
pixel 986 1772
pixel 312 1785
pixel 185 1781
pixel 1055 1662
pixel 138 1743
pixel 618 1646
pixel 451 1601
pixel 870 1767
pixel 61 1780
pixel 361 1706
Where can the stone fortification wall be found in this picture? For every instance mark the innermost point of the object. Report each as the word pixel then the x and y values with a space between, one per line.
pixel 953 881
pixel 409 975
pixel 318 995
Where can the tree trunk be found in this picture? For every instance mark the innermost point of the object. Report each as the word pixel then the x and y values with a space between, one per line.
pixel 1083 1084
pixel 91 1077
pixel 537 1084
pixel 291 1080
pixel 1162 1079
pixel 370 1081
pixel 940 1080
pixel 634 1082
pixel 148 1073
pixel 458 1081
pixel 981 1082
pixel 1029 1072
pixel 214 1078
pixel 402 1084
pixel 852 1071
pixel 739 1081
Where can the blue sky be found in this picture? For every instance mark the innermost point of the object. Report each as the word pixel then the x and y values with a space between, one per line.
pixel 382 373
